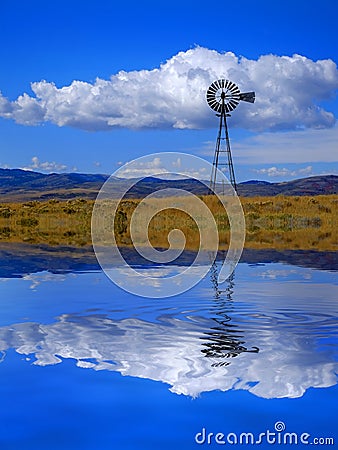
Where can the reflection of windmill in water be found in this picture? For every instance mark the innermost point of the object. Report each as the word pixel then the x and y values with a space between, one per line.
pixel 223 96
pixel 224 340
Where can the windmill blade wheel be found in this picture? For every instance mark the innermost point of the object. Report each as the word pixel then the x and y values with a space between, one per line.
pixel 226 94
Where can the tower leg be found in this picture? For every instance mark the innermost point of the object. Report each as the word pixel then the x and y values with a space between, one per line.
pixel 213 178
pixel 228 150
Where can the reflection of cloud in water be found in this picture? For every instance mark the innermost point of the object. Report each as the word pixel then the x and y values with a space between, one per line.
pixel 158 279
pixel 275 274
pixel 37 278
pixel 171 350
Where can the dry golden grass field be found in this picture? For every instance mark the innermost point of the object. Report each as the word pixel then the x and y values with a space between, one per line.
pixel 281 222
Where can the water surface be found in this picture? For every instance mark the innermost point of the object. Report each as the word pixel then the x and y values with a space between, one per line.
pixel 85 365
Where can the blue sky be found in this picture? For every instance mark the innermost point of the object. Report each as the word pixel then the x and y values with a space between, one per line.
pixel 89 116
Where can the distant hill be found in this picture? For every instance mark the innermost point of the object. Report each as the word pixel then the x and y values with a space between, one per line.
pixel 318 185
pixel 25 179
pixel 18 185
pixel 23 185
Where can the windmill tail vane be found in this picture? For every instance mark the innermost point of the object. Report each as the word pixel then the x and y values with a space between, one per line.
pixel 223 96
pixel 248 97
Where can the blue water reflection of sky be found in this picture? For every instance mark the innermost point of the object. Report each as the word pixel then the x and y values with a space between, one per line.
pixel 66 339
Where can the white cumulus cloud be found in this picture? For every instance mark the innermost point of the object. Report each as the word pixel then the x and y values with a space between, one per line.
pixel 283 171
pixel 289 91
pixel 46 166
pixel 170 168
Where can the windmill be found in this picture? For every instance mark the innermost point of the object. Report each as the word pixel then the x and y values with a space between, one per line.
pixel 223 96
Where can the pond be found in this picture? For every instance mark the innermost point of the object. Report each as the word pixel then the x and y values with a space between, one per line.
pixel 86 365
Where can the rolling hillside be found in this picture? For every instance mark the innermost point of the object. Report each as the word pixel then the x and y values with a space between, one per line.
pixel 18 185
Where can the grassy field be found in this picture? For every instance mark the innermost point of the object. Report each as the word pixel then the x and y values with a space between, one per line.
pixel 271 222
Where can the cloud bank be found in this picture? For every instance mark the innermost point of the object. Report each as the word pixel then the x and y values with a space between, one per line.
pixel 288 95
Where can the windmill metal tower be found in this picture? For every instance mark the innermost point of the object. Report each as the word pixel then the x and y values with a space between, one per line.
pixel 223 96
